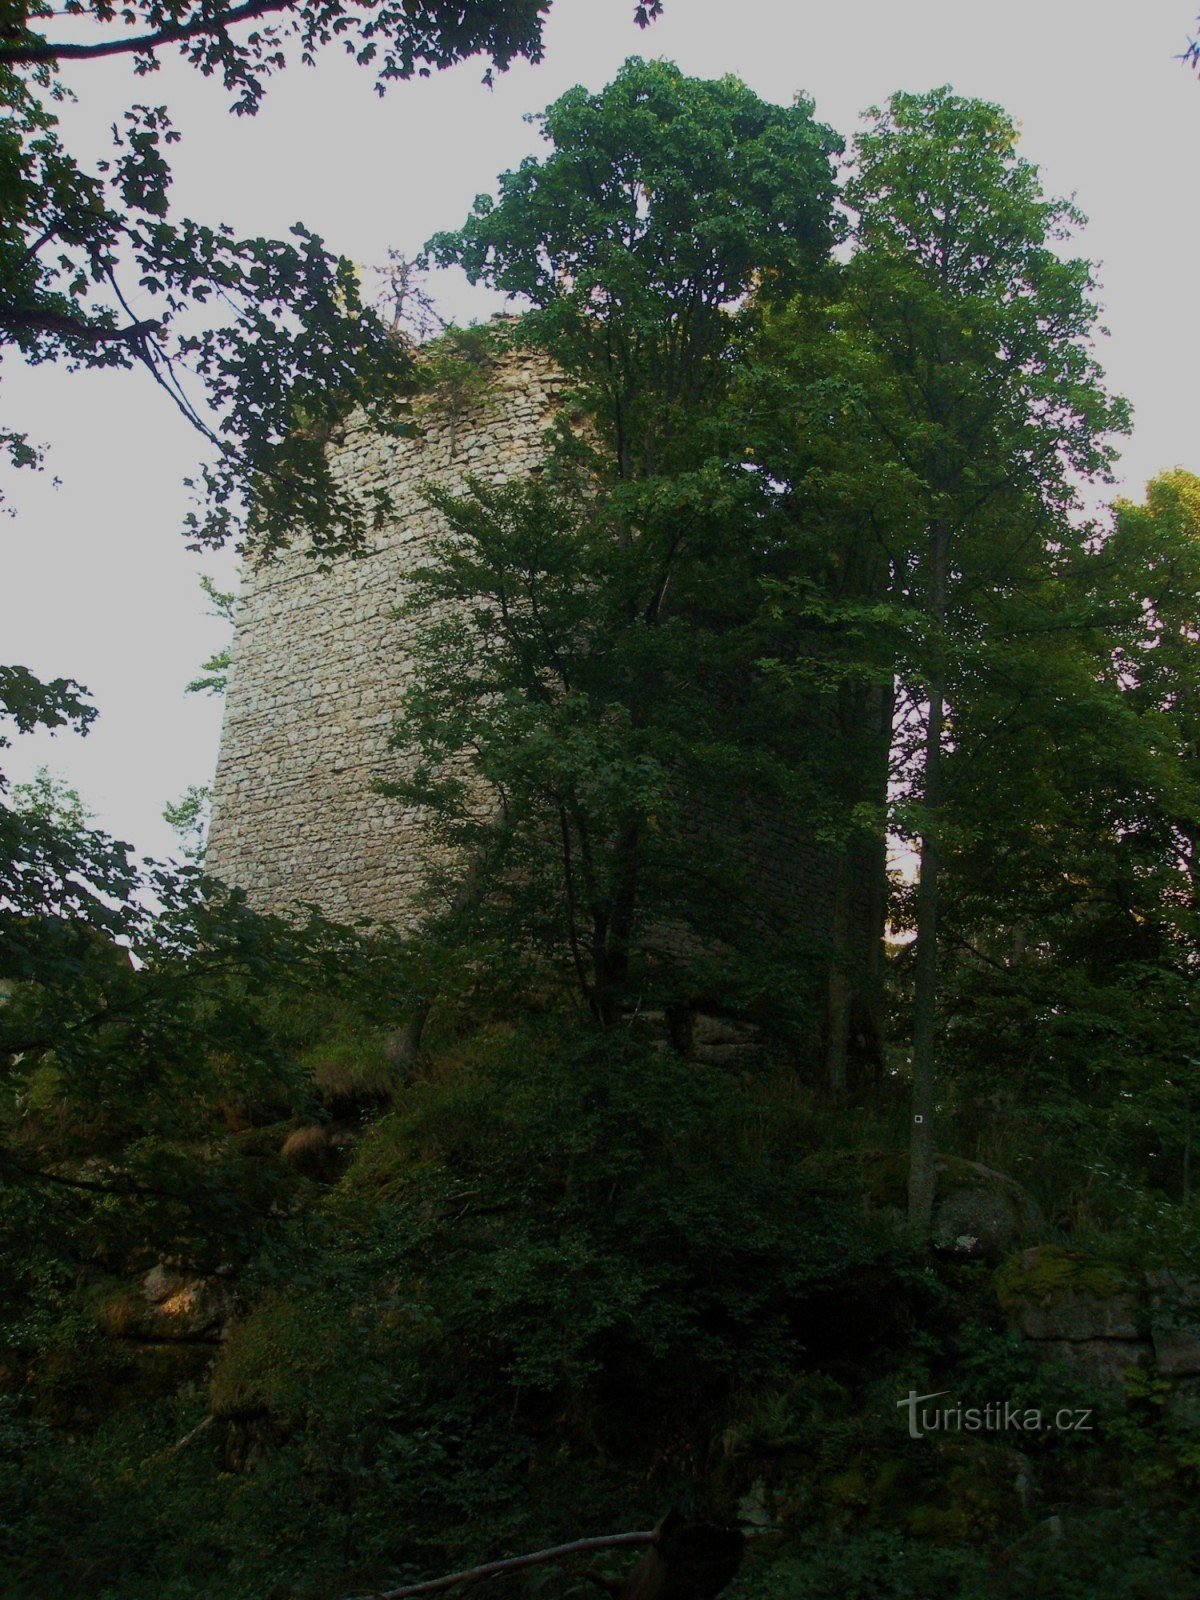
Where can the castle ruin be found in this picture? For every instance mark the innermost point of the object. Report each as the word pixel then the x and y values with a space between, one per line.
pixel 321 658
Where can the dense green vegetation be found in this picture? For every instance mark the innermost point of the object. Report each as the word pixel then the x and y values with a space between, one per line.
pixel 336 1259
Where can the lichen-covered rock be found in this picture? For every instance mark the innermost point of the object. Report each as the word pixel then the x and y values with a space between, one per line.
pixel 979 1212
pixel 976 1222
pixel 1052 1293
pixel 181 1305
pixel 1175 1322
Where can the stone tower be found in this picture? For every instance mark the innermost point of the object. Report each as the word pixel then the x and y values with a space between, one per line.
pixel 320 661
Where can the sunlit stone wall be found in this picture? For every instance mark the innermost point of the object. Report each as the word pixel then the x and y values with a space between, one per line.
pixel 319 663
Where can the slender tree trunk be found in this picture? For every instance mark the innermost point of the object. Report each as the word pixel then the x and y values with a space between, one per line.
pixel 921 1170
pixel 1187 1147
pixel 611 981
pixel 921 1173
pixel 854 986
pixel 838 989
pixel 875 861
pixel 402 1047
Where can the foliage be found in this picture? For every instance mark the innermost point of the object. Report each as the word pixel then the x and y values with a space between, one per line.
pixel 53 800
pixel 57 883
pixel 397 41
pixel 582 714
pixel 273 334
pixel 529 1305
pixel 663 201
pixel 214 673
pixel 1071 912
pixel 597 661
pixel 188 817
pixel 140 1038
pixel 988 394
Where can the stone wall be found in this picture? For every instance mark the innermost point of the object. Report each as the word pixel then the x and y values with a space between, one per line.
pixel 320 661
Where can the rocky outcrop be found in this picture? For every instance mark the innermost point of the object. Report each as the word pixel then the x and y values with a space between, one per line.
pixel 183 1305
pixel 1175 1322
pixel 1106 1320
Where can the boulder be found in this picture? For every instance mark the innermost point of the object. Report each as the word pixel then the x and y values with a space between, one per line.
pixel 980 1212
pixel 976 1222
pixel 181 1305
pixel 723 1041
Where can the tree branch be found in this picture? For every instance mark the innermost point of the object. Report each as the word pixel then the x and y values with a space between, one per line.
pixel 611 1541
pixel 71 327
pixel 125 1186
pixel 33 50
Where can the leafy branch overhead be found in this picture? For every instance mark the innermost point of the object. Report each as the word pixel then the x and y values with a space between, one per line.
pixel 397 39
pixel 264 346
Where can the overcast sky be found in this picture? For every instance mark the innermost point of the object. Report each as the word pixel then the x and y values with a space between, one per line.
pixel 95 580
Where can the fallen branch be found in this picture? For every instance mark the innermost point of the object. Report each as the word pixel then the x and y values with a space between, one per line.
pixel 490 1569
pixel 188 1437
pixel 696 1559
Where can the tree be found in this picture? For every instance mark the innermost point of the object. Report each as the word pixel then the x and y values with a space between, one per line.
pixel 993 407
pixel 597 658
pixel 832 633
pixel 1069 914
pixel 1153 562
pixel 264 346
pixel 664 201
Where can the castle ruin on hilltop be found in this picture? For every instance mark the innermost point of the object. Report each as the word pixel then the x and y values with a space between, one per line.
pixel 321 658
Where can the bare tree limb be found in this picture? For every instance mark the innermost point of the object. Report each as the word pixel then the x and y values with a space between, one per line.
pixel 490 1569
pixel 72 327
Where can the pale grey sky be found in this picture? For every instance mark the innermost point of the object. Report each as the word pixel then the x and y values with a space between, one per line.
pixel 95 580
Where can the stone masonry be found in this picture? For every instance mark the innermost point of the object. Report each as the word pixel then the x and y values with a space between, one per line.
pixel 320 660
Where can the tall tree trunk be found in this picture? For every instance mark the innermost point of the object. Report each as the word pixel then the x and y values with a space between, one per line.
pixel 612 971
pixel 838 988
pixel 402 1047
pixel 921 1173
pixel 849 729
pixel 921 1170
pixel 853 1001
